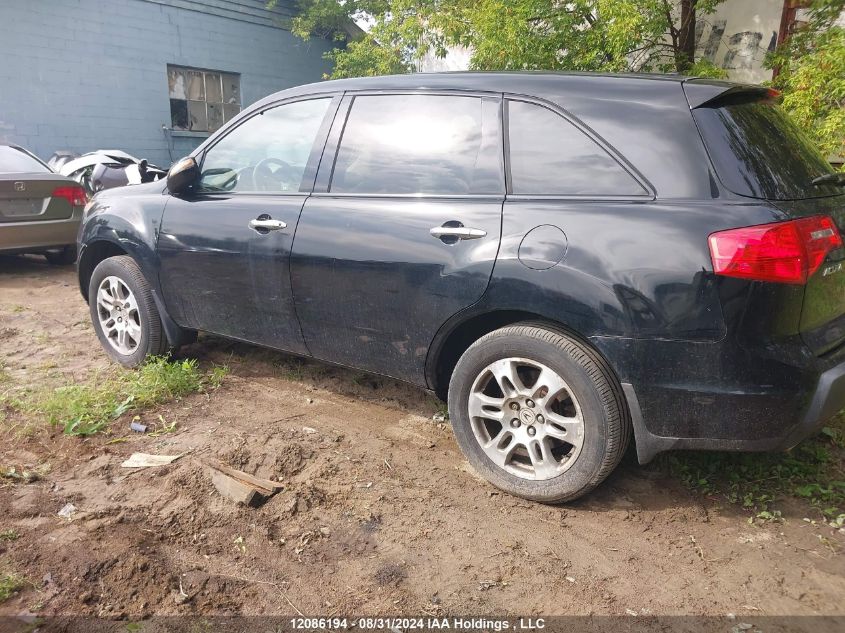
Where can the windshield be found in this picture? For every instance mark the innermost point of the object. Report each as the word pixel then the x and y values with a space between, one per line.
pixel 14 160
pixel 759 152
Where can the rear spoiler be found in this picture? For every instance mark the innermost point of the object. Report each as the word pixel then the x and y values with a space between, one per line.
pixel 710 93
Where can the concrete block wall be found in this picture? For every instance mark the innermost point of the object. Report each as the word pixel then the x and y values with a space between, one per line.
pixel 82 75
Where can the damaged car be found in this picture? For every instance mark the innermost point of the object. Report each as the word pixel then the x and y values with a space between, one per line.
pixel 570 260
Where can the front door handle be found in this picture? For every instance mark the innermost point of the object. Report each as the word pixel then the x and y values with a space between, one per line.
pixel 266 224
pixel 459 232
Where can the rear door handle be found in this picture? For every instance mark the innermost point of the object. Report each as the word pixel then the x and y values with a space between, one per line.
pixel 461 232
pixel 266 224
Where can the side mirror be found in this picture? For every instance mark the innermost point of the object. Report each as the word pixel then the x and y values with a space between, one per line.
pixel 183 176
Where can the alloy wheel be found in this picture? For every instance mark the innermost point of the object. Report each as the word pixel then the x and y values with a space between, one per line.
pixel 526 418
pixel 117 309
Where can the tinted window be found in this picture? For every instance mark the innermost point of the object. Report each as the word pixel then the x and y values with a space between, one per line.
pixel 549 155
pixel 266 153
pixel 428 144
pixel 759 152
pixel 14 160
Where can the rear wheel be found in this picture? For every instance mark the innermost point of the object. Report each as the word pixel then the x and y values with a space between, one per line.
pixel 64 256
pixel 538 413
pixel 123 312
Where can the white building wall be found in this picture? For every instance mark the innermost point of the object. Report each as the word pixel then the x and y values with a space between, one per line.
pixel 738 35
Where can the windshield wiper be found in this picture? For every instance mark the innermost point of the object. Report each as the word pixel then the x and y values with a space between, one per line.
pixel 836 179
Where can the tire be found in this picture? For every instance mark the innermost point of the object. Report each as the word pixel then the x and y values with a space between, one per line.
pixel 575 408
pixel 145 336
pixel 64 256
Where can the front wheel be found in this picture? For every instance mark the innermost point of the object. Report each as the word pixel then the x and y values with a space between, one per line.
pixel 538 413
pixel 123 312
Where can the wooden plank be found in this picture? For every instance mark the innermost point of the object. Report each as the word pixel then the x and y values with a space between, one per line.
pixel 265 486
pixel 145 460
pixel 235 490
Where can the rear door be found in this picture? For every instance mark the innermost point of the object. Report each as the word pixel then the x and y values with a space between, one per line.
pixel 758 152
pixel 402 230
pixel 28 189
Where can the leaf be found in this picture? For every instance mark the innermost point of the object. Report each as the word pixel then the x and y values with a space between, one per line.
pixel 123 407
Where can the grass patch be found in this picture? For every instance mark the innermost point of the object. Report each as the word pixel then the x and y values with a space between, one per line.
pixel 9 535
pixel 10 584
pixel 813 471
pixel 86 409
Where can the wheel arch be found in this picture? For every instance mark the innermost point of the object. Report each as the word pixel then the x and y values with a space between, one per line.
pixel 94 253
pixel 456 336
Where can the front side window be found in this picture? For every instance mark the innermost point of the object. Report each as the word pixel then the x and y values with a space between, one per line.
pixel 202 100
pixel 550 156
pixel 266 153
pixel 420 144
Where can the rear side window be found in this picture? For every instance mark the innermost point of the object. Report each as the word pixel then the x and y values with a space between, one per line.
pixel 550 156
pixel 16 161
pixel 420 144
pixel 759 152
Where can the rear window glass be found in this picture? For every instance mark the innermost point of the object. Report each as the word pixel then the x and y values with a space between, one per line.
pixel 759 152
pixel 550 156
pixel 15 161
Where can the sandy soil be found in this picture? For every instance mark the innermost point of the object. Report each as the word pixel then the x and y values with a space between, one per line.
pixel 380 513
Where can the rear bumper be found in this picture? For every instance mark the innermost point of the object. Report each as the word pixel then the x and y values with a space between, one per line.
pixel 718 396
pixel 27 237
pixel 827 401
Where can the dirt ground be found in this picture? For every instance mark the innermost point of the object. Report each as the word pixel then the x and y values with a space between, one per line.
pixel 380 514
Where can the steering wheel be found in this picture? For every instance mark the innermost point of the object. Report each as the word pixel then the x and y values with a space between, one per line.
pixel 284 178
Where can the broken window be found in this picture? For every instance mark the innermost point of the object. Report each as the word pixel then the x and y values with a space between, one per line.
pixel 202 100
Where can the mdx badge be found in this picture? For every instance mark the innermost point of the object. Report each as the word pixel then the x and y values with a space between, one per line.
pixel 833 268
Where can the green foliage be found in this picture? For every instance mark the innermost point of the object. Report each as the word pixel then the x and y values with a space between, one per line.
pixel 706 68
pixel 9 585
pixel 589 35
pixel 9 535
pixel 757 481
pixel 86 409
pixel 812 76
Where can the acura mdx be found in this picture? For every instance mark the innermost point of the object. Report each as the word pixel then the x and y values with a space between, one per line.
pixel 570 260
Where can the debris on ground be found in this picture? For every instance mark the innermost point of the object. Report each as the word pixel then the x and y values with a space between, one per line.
pixel 67 511
pixel 138 427
pixel 239 486
pixel 145 460
pixel 15 474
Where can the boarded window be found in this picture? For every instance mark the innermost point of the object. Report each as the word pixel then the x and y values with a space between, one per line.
pixel 202 100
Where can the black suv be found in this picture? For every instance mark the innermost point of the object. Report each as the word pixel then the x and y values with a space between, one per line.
pixel 567 258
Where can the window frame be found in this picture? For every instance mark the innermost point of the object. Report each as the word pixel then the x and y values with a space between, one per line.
pixel 648 190
pixel 306 186
pixel 322 187
pixel 205 71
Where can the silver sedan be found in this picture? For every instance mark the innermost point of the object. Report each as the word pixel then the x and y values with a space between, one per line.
pixel 40 210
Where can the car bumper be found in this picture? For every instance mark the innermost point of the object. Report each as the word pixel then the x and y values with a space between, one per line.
pixel 827 401
pixel 28 237
pixel 719 396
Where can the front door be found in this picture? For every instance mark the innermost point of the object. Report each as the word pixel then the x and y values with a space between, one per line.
pixel 405 234
pixel 225 250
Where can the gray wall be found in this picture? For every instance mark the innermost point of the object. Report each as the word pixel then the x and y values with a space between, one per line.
pixel 92 74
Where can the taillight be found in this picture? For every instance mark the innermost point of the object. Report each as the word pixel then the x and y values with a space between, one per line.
pixel 786 252
pixel 73 194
